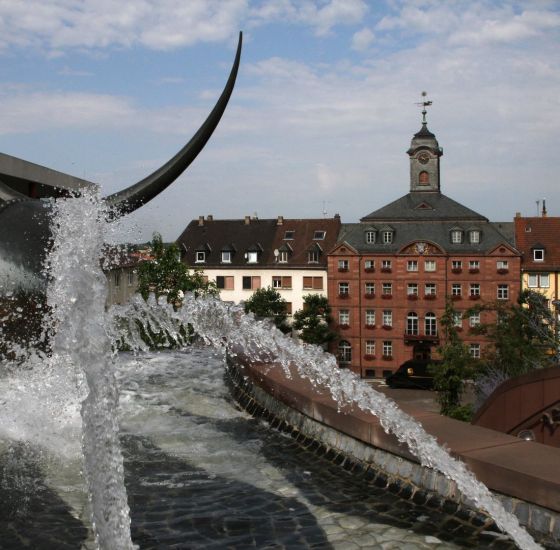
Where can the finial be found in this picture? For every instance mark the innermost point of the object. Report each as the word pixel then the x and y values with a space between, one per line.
pixel 424 103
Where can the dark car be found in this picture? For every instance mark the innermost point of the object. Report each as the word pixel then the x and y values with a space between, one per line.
pixel 412 374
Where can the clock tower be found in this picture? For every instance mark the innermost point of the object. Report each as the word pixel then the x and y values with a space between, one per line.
pixel 424 154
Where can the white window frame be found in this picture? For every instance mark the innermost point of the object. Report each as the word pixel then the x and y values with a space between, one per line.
pixel 412 289
pixel 344 317
pixel 343 289
pixel 199 257
pixel 474 351
pixel 387 348
pixel 369 264
pixel 430 324
pixel 386 264
pixel 283 257
pixel 457 319
pixel 502 264
pixel 429 265
pixel 474 289
pixel 538 254
pixel 312 256
pixel 387 318
pixel 370 316
pixel 502 292
pixel 252 257
pixel 344 352
pixel 412 323
pixel 369 288
pixel 430 289
pixel 387 237
pixel 387 289
pixel 474 319
pixel 412 265
pixel 456 289
pixel 474 264
pixel 456 264
pixel 370 237
pixel 343 264
pixel 474 236
pixel 226 257
pixel 370 347
pixel 456 236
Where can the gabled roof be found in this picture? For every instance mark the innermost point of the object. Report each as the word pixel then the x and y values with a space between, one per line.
pixel 425 206
pixel 538 232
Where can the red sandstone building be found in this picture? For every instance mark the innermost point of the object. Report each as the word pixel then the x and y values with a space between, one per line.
pixel 390 274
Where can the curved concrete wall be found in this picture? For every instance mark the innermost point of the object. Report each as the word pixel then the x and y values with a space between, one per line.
pixel 524 475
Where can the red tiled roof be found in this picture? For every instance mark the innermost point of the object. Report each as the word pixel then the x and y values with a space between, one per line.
pixel 541 232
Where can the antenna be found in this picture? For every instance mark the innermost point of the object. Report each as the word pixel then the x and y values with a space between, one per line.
pixel 424 103
pixel 538 207
pixel 324 209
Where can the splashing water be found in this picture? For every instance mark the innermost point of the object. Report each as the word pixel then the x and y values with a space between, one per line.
pixel 82 334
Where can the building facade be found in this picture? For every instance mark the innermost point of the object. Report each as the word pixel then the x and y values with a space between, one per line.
pixel 537 238
pixel 391 274
pixel 241 256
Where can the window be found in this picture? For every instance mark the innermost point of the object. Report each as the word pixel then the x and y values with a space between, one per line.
pixel 474 236
pixel 130 278
pixel 369 264
pixel 474 350
pixel 412 265
pixel 474 289
pixel 370 347
pixel 430 289
pixel 344 352
pixel 503 292
pixel 283 256
pixel 281 282
pixel 474 265
pixel 370 237
pixel 313 257
pixel 412 323
pixel 423 178
pixel 289 235
pixel 412 289
pixel 386 265
pixel 474 319
pixel 343 265
pixel 538 254
pixel 539 280
pixel 313 283
pixel 387 289
pixel 456 265
pixel 387 318
pixel 457 319
pixel 117 278
pixel 200 257
pixel 370 317
pixel 456 289
pixel 226 257
pixel 456 236
pixel 370 288
pixel 430 324
pixel 502 264
pixel 429 265
pixel 343 317
pixel 343 289
pixel 252 257
pixel 387 348
pixel 387 237
pixel 288 308
pixel 251 283
pixel 224 282
pixel 319 235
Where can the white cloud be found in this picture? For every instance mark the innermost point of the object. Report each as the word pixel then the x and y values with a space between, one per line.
pixel 362 39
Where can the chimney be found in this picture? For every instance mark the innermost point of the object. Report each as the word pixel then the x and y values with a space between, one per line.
pixel 518 214
pixel 247 220
pixel 210 218
pixel 544 208
pixel 337 216
pixel 200 221
pixel 280 220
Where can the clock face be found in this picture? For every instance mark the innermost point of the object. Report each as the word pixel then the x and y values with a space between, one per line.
pixel 423 158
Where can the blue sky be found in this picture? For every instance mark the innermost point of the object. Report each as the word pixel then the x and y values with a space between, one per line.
pixel 323 110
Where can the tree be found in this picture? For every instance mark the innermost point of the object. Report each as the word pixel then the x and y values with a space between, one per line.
pixel 456 366
pixel 314 319
pixel 166 275
pixel 267 303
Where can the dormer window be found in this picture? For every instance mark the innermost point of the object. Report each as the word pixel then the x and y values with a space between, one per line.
pixel 319 235
pixel 283 257
pixel 538 254
pixel 289 235
pixel 200 257
pixel 370 236
pixel 456 236
pixel 474 236
pixel 226 256
pixel 252 257
pixel 387 237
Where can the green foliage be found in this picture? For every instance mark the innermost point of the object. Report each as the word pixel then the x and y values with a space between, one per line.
pixel 456 366
pixel 522 337
pixel 267 303
pixel 314 319
pixel 462 412
pixel 166 275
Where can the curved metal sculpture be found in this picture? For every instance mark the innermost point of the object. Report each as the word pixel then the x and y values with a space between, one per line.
pixel 24 221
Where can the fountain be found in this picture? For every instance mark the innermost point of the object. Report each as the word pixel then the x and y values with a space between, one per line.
pixel 71 389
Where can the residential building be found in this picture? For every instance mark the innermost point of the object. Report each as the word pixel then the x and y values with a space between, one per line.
pixel 121 269
pixel 241 256
pixel 537 238
pixel 390 274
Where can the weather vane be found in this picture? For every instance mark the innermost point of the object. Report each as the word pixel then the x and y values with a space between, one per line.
pixel 424 103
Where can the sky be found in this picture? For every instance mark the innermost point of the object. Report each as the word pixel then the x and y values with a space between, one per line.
pixel 323 111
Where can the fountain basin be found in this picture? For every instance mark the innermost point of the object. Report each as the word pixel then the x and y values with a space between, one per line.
pixel 523 475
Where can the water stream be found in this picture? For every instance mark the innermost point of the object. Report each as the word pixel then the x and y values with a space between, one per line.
pixel 81 373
